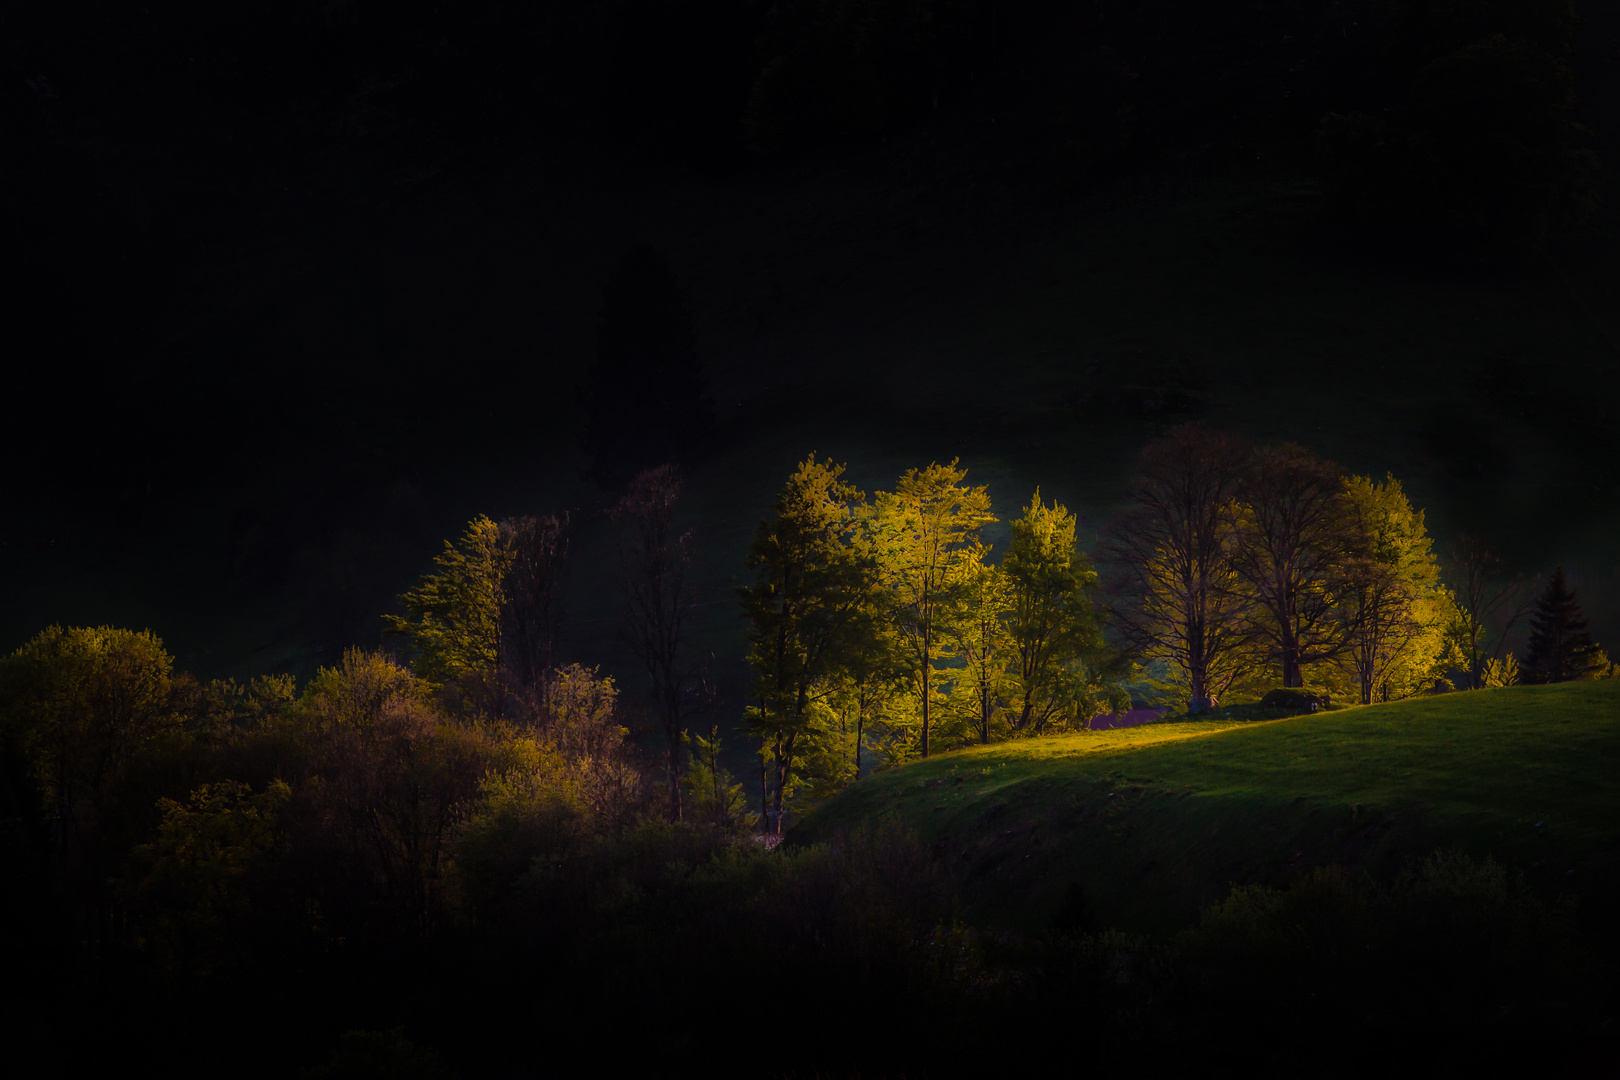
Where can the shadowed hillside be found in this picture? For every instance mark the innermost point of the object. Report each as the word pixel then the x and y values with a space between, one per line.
pixel 1157 823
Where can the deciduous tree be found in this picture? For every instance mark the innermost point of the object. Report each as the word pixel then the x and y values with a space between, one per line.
pixel 1296 539
pixel 394 775
pixel 1396 611
pixel 536 548
pixel 811 595
pixel 654 560
pixel 928 535
pixel 984 684
pixel 1055 636
pixel 83 704
pixel 1172 553
pixel 452 617
pixel 1489 604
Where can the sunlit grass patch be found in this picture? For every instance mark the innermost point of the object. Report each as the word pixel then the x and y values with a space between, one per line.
pixel 1159 821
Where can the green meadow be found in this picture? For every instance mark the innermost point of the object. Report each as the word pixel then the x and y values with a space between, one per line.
pixel 1158 822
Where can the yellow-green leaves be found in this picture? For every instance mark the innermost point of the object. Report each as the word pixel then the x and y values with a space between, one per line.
pixel 84 702
pixel 1398 612
pixel 928 546
pixel 453 616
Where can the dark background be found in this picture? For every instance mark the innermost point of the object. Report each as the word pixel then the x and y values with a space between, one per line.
pixel 297 289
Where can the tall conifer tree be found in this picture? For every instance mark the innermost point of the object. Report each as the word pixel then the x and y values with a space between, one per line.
pixel 1561 649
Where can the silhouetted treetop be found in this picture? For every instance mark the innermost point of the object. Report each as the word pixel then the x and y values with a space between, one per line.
pixel 1560 649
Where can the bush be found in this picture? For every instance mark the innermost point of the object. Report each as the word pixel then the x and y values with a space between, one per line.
pixel 1303 698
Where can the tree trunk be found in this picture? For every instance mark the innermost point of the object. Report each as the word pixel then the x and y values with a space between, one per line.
pixel 1293 674
pixel 784 763
pixel 927 691
pixel 860 729
pixel 764 795
pixel 984 713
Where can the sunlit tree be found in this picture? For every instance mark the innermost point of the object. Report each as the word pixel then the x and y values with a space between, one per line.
pixel 928 545
pixel 812 592
pixel 1396 611
pixel 985 683
pixel 1057 653
pixel 82 705
pixel 452 619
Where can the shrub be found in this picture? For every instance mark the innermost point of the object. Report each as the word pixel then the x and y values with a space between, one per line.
pixel 1303 698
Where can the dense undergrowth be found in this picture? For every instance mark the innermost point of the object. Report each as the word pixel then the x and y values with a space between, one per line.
pixel 292 910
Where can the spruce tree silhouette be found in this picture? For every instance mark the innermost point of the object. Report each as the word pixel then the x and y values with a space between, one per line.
pixel 646 397
pixel 1560 647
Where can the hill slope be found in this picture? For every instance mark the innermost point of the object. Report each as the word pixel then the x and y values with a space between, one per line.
pixel 1158 822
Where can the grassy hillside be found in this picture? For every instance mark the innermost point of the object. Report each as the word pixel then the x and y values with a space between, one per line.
pixel 1158 822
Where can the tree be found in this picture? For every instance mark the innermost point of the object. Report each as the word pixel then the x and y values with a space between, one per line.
pixel 654 560
pixel 1173 552
pixel 1485 597
pixel 1396 611
pixel 536 547
pixel 453 619
pixel 193 874
pixel 928 535
pixel 1051 620
pixel 1560 647
pixel 646 398
pixel 869 673
pixel 394 776
pixel 1296 538
pixel 979 627
pixel 83 704
pixel 811 595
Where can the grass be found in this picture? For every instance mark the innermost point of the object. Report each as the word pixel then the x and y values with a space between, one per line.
pixel 1158 822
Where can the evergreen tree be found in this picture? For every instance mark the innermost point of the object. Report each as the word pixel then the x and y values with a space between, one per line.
pixel 646 397
pixel 1560 647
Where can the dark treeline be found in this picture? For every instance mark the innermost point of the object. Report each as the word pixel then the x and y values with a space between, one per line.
pixel 182 176
pixel 468 862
